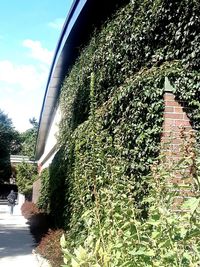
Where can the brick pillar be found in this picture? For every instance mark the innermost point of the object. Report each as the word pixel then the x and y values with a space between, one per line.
pixel 176 124
pixel 175 121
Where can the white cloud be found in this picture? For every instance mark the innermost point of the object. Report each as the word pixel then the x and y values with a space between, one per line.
pixel 19 112
pixel 57 23
pixel 27 77
pixel 22 86
pixel 22 99
pixel 38 52
pixel 22 89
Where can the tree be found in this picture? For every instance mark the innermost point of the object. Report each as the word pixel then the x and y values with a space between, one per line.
pixel 16 144
pixel 26 175
pixel 8 143
pixel 28 139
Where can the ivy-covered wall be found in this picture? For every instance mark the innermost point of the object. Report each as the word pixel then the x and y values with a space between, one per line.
pixel 112 105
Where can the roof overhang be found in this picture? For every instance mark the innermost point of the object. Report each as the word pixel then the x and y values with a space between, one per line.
pixel 82 17
pixel 57 72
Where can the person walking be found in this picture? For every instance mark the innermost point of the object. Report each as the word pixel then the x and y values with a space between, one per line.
pixel 11 200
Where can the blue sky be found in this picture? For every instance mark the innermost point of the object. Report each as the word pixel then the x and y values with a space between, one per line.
pixel 29 34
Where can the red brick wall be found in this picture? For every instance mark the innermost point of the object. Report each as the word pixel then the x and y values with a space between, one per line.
pixel 175 122
pixel 176 129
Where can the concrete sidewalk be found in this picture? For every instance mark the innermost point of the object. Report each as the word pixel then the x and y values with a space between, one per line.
pixel 16 242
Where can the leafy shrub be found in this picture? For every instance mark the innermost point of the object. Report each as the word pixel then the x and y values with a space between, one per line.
pixel 29 209
pixel 44 201
pixel 116 236
pixel 50 249
pixel 26 175
pixel 58 202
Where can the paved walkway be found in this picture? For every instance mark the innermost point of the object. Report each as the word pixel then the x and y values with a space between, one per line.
pixel 16 242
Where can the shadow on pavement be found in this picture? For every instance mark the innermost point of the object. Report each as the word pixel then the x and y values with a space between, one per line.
pixel 15 240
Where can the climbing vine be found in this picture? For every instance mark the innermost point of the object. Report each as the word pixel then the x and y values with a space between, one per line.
pixel 112 111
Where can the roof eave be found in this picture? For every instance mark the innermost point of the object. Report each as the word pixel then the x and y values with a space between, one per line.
pixel 56 76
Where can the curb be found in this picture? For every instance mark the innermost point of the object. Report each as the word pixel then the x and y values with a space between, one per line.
pixel 42 261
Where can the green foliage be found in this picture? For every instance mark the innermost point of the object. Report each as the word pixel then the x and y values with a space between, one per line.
pixel 58 202
pixel 142 34
pixel 26 175
pixel 28 139
pixel 112 114
pixel 44 198
pixel 8 144
pixel 53 181
pixel 186 85
pixel 16 145
pixel 6 131
pixel 117 237
pixel 12 142
pixel 105 137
